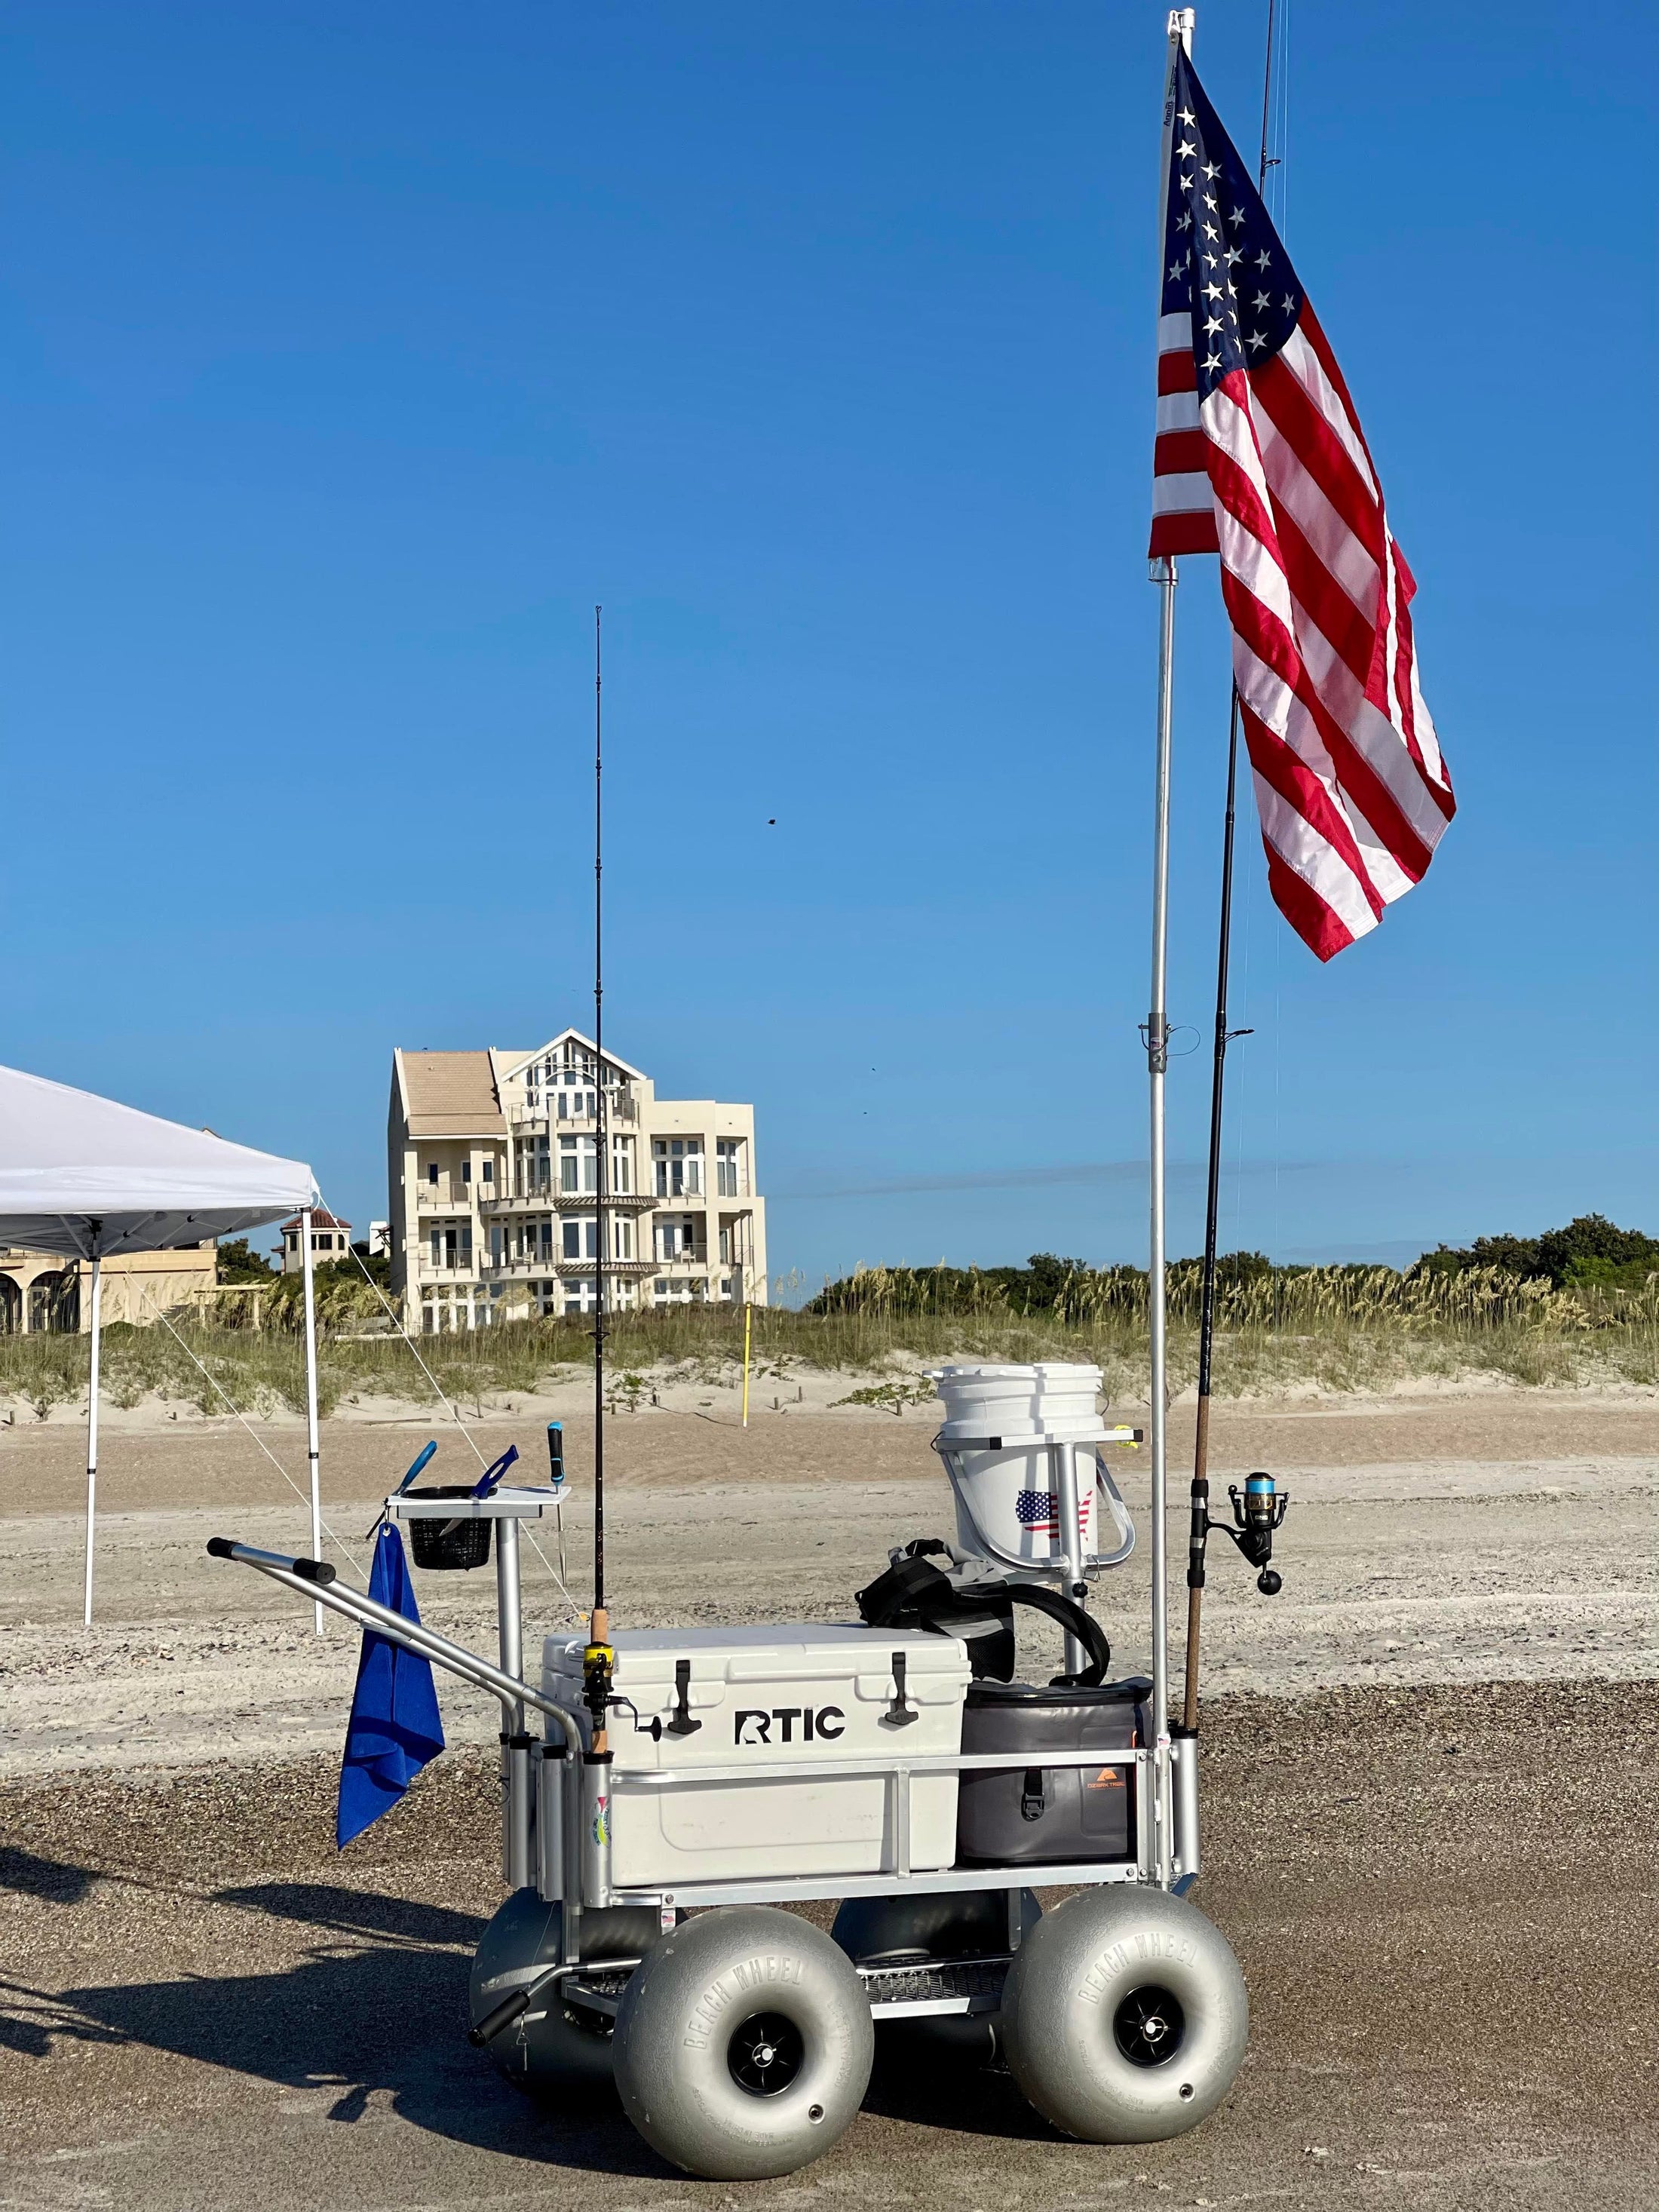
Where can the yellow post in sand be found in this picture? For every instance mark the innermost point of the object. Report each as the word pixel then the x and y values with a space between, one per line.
pixel 748 1323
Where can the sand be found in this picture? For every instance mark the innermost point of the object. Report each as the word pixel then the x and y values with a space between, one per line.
pixel 1428 1799
pixel 1499 1537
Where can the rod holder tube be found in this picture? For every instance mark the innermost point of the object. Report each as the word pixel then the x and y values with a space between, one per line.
pixel 551 1765
pixel 573 1794
pixel 1183 1769
pixel 595 1829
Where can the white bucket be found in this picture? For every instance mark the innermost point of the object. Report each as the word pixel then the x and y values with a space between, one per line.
pixel 999 1423
pixel 1055 1398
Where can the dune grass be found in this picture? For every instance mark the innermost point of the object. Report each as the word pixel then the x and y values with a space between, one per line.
pixel 1331 1330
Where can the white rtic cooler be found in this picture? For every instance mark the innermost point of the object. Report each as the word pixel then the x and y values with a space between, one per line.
pixel 1000 1426
pixel 767 1697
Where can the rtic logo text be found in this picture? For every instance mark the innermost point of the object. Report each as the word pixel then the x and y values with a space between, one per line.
pixel 822 1725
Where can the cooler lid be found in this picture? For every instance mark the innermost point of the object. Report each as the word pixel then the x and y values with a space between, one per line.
pixel 771 1650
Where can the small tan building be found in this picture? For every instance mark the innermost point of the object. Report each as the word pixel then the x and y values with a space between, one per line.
pixel 492 1174
pixel 330 1241
pixel 42 1292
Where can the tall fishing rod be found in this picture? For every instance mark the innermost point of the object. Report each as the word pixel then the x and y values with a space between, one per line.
pixel 599 1660
pixel 1223 1036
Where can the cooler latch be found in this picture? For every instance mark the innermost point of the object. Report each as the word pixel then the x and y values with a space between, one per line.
pixel 900 1712
pixel 682 1722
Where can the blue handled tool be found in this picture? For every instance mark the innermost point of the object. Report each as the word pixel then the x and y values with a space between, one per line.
pixel 415 1469
pixel 490 1480
pixel 555 1454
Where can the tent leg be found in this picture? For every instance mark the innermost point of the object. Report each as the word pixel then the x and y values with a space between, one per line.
pixel 92 1422
pixel 311 1396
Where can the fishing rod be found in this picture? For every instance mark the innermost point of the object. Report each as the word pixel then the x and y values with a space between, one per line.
pixel 1201 1523
pixel 599 1661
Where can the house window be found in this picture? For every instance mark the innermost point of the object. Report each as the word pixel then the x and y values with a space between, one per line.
pixel 579 1164
pixel 728 1167
pixel 536 1239
pixel 432 1173
pixel 677 1236
pixel 581 1294
pixel 622 1239
pixel 487 1169
pixel 534 1165
pixel 293 1240
pixel 495 1243
pixel 466 1170
pixel 451 1245
pixel 679 1162
pixel 621 1164
pixel 581 1240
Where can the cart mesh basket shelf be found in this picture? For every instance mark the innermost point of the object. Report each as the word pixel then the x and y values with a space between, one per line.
pixel 463 1543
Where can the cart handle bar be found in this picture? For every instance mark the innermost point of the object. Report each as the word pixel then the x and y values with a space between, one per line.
pixel 413 1635
pixel 308 1570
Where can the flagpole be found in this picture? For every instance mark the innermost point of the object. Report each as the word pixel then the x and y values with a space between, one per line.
pixel 1157 1062
pixel 1200 1490
pixel 1179 28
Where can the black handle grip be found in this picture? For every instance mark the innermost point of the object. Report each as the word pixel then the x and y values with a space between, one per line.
pixel 308 1570
pixel 502 2016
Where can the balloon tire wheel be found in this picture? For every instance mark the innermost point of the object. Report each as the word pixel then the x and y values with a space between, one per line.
pixel 1126 2016
pixel 744 2044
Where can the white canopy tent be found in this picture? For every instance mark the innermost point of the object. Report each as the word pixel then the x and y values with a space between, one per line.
pixel 85 1177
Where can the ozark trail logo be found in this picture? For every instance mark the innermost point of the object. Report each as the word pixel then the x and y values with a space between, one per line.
pixel 822 1724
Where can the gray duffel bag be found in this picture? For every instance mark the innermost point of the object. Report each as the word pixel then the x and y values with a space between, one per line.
pixel 1029 1815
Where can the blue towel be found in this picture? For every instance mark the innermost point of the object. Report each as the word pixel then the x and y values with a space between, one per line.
pixel 394 1728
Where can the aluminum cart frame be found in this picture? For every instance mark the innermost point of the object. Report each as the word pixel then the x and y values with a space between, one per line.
pixel 558 1803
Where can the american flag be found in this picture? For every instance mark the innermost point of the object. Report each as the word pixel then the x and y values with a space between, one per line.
pixel 1038 1511
pixel 1259 457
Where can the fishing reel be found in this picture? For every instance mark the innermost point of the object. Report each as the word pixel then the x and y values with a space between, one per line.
pixel 1257 1513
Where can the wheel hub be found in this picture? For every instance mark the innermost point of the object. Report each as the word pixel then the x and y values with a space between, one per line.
pixel 1149 2027
pixel 765 2054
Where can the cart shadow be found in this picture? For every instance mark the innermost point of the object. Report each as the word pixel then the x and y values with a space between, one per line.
pixel 929 2091
pixel 348 2026
pixel 358 1912
pixel 49 1881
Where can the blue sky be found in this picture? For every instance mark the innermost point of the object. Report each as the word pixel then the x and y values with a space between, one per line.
pixel 354 353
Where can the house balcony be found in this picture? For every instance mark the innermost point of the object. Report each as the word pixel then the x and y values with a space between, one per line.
pixel 447 1198
pixel 687 1258
pixel 547 1198
pixel 462 1270
pixel 621 1111
pixel 527 1270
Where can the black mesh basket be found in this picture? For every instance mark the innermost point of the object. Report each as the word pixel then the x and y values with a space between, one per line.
pixel 450 1544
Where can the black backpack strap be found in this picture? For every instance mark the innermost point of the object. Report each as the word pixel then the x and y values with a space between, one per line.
pixel 1071 1617
pixel 903 1597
